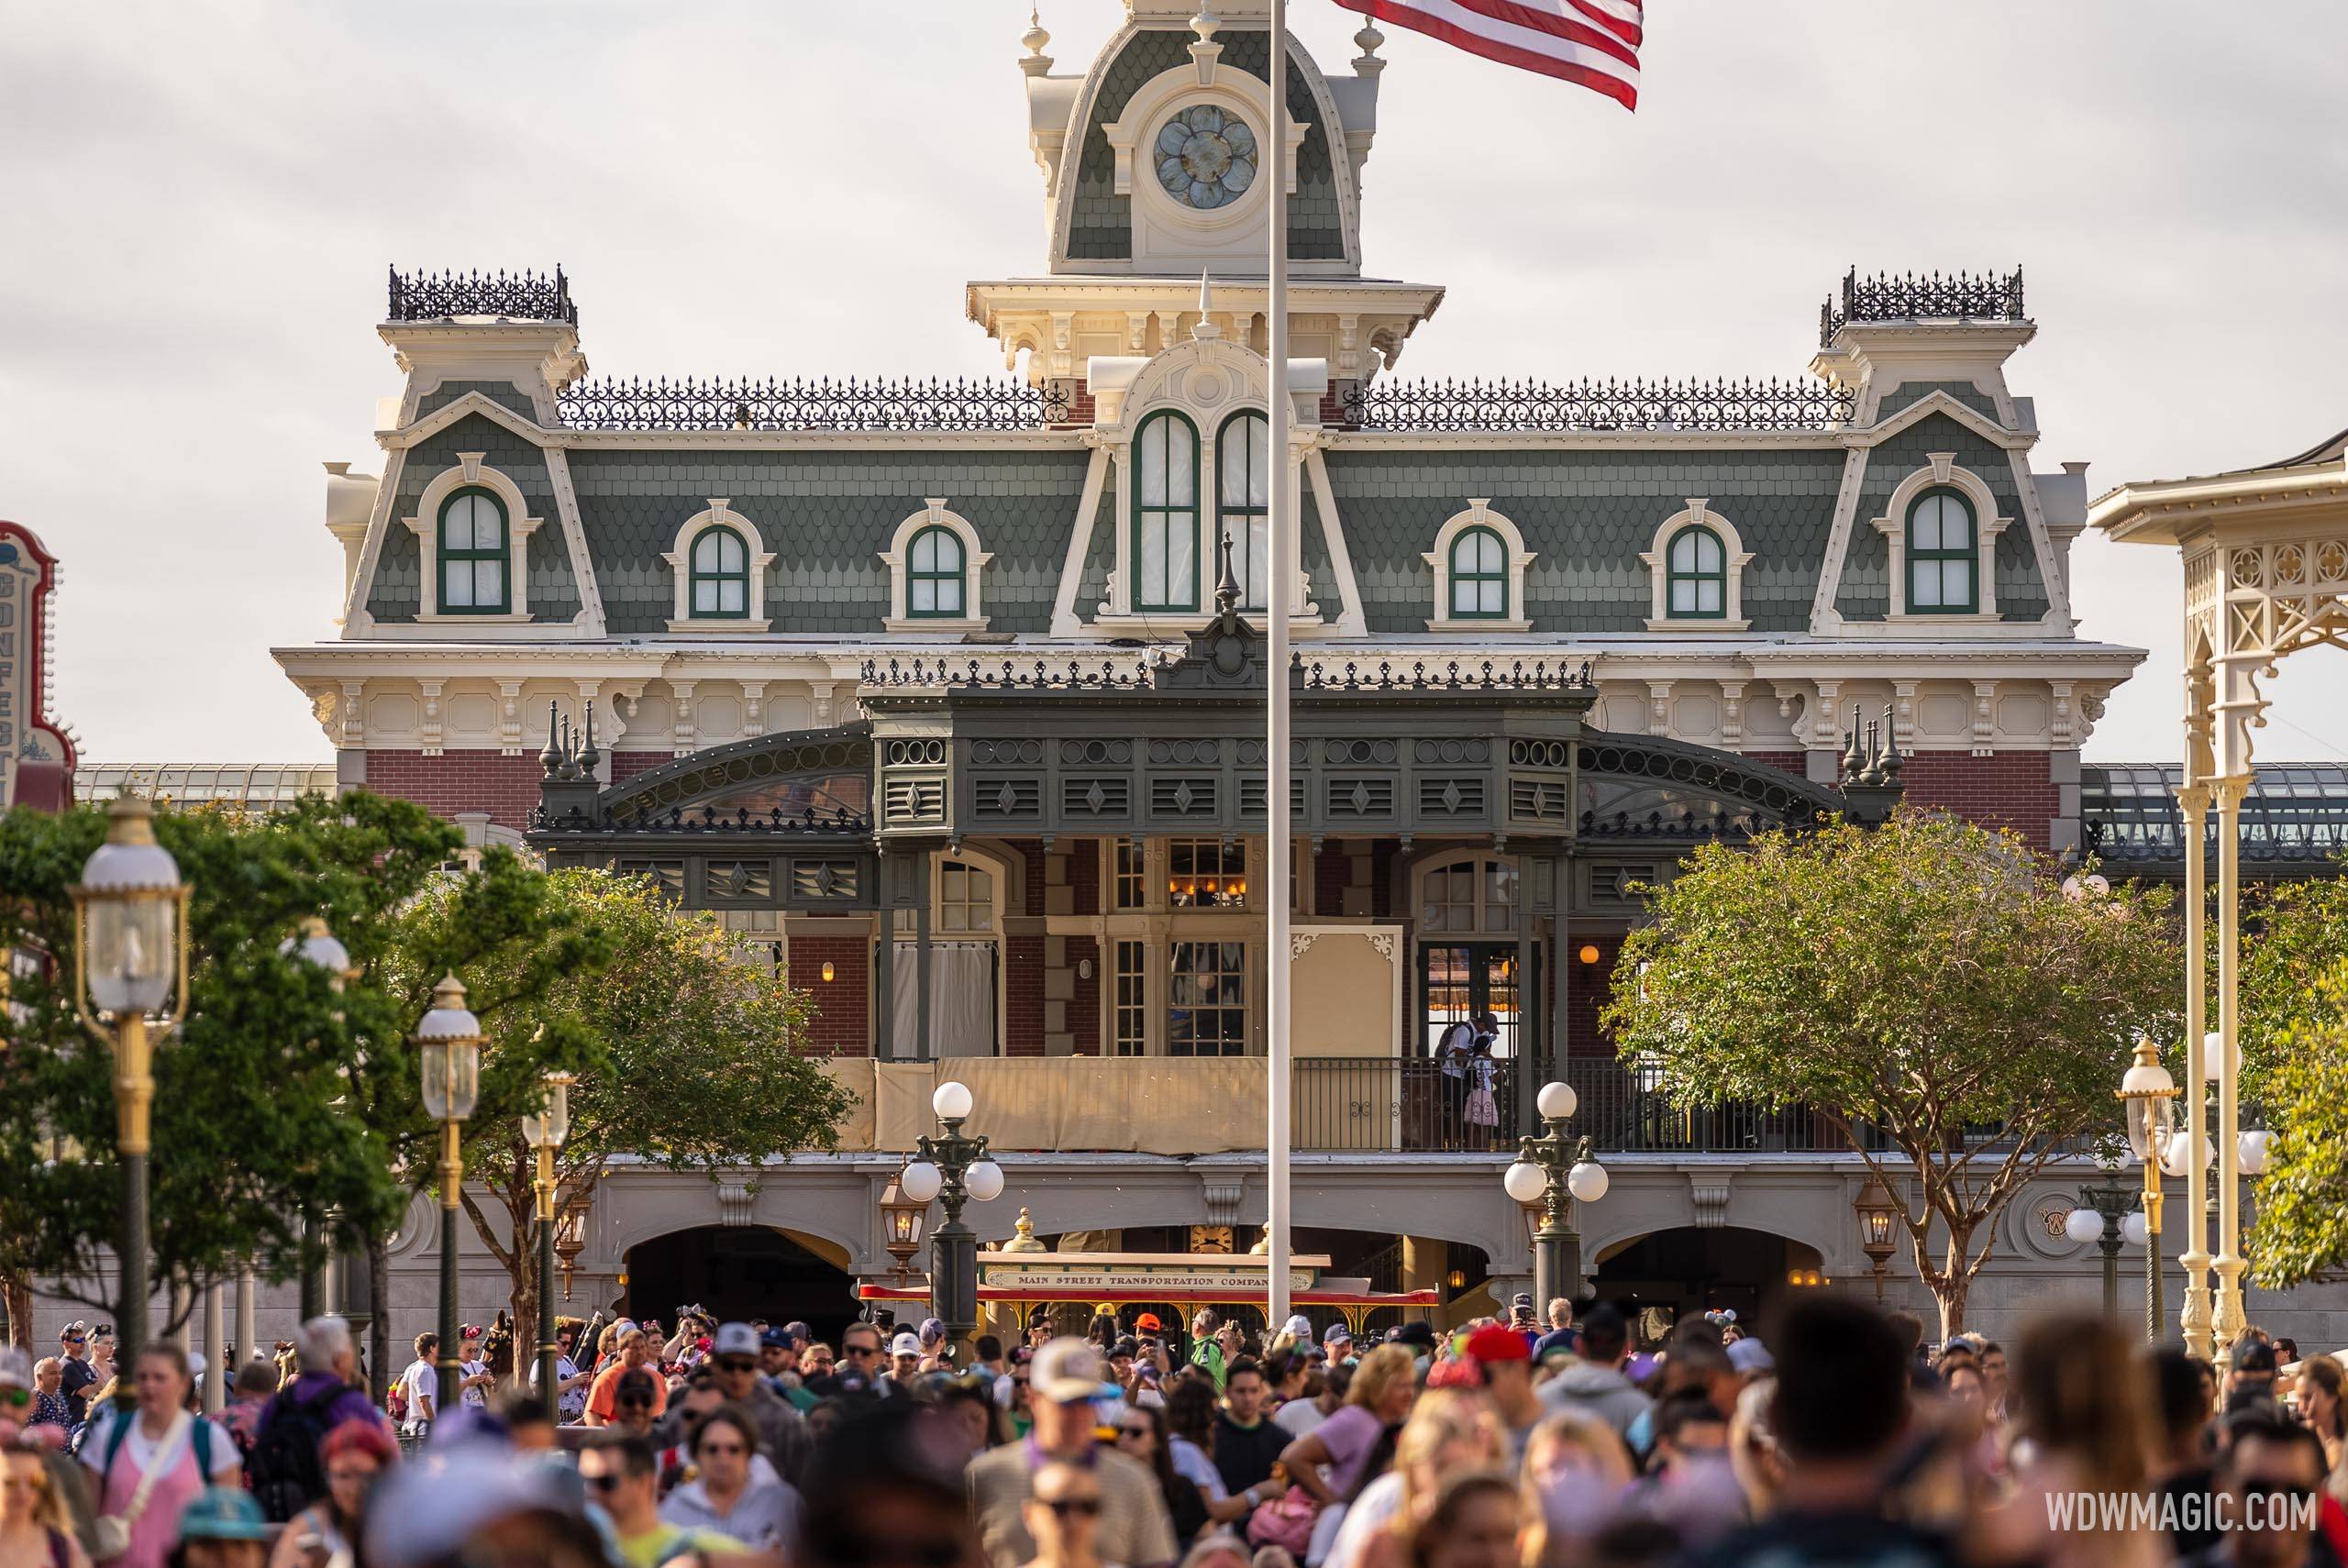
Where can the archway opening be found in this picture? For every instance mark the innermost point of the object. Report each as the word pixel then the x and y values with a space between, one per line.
pixel 739 1272
pixel 1693 1269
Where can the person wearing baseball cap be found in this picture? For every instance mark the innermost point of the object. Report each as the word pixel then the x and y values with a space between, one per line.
pixel 782 1435
pixel 904 1358
pixel 1068 1377
pixel 1338 1341
pixel 1507 1364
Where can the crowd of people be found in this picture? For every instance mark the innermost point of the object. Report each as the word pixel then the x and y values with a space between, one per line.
pixel 1839 1438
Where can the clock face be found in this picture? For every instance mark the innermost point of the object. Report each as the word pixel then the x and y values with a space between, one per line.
pixel 1206 157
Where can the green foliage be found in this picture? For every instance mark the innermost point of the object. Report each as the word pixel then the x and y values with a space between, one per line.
pixel 1919 979
pixel 2302 1213
pixel 253 1120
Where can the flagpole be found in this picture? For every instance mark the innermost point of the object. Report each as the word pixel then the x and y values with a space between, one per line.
pixel 1278 841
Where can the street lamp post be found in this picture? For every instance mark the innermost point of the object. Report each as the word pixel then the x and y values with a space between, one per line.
pixel 1553 1172
pixel 318 947
pixel 2099 1219
pixel 2150 1095
pixel 545 1133
pixel 130 969
pixel 955 1167
pixel 903 1221
pixel 448 1051
pixel 1877 1211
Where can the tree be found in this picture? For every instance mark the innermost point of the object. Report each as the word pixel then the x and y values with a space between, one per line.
pixel 250 1124
pixel 1926 982
pixel 2294 1031
pixel 689 1053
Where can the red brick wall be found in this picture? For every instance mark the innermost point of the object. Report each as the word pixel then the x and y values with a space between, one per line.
pixel 1587 988
pixel 841 1027
pixel 505 787
pixel 1023 982
pixel 1792 762
pixel 1031 850
pixel 1084 875
pixel 1085 1008
pixel 626 764
pixel 2012 789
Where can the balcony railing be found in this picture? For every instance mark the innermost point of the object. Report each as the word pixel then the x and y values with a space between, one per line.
pixel 1179 1106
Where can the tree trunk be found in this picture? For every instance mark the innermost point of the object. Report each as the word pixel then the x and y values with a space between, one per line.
pixel 528 1294
pixel 379 1312
pixel 17 1299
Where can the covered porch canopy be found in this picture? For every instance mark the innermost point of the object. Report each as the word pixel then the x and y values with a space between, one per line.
pixel 1398 763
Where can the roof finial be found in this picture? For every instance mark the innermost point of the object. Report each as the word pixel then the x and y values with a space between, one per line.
pixel 1205 23
pixel 552 758
pixel 1206 327
pixel 1037 62
pixel 1854 760
pixel 1226 582
pixel 1367 63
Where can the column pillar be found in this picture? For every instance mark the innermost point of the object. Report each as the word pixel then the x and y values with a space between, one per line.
pixel 214 1355
pixel 2227 1322
pixel 2193 1317
pixel 245 1348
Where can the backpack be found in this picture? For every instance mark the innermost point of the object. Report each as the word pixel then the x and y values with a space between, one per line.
pixel 285 1475
pixel 395 1402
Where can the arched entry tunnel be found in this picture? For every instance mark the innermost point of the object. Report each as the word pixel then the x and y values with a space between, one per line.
pixel 1691 1269
pixel 742 1272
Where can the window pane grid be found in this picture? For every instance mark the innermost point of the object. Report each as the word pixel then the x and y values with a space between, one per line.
pixel 1130 1002
pixel 1244 502
pixel 1166 514
pixel 935 575
pixel 1129 889
pixel 1943 562
pixel 1478 575
pixel 1696 567
pixel 473 565
pixel 1206 1013
pixel 720 581
pixel 1205 874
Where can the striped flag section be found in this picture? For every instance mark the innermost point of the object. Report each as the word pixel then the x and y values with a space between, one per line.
pixel 1593 42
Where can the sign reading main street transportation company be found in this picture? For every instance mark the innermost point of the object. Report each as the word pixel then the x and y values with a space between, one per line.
pixel 1146 1275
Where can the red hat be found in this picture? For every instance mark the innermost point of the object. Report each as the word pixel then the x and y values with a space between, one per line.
pixel 1147 1321
pixel 1492 1343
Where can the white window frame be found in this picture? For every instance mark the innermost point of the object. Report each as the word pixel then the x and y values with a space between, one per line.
pixel 1942 472
pixel 1480 514
pixel 934 514
pixel 471 472
pixel 719 513
pixel 1483 931
pixel 1698 514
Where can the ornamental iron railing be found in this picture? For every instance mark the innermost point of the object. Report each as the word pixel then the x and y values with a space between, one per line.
pixel 1534 674
pixel 704 820
pixel 610 403
pixel 1925 296
pixel 513 297
pixel 1503 406
pixel 1106 673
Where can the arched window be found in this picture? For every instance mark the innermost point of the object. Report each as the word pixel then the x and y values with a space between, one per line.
pixel 475 571
pixel 1165 514
pixel 1697 574
pixel 1944 554
pixel 720 574
pixel 1478 575
pixel 1243 501
pixel 934 574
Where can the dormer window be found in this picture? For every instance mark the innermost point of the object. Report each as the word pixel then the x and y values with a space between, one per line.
pixel 936 572
pixel 1698 563
pixel 1165 514
pixel 472 528
pixel 1479 559
pixel 1940 526
pixel 475 561
pixel 720 563
pixel 1242 505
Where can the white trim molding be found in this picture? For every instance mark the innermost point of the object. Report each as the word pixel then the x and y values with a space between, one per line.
pixel 934 514
pixel 1480 514
pixel 471 472
pixel 719 513
pixel 1735 557
pixel 1942 472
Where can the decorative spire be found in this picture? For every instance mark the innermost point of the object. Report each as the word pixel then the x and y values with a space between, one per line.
pixel 1036 62
pixel 1205 23
pixel 1227 581
pixel 1367 63
pixel 1206 54
pixel 1889 762
pixel 1206 327
pixel 589 758
pixel 1855 761
pixel 552 758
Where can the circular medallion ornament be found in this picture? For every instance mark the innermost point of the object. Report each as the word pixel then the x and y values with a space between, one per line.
pixel 1206 157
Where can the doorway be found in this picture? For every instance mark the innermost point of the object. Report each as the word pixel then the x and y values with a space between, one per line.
pixel 1460 980
pixel 739 1273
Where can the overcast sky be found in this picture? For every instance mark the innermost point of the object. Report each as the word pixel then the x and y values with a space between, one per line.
pixel 201 199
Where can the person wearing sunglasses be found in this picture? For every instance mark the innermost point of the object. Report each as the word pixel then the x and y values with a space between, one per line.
pixel 33 1524
pixel 637 1399
pixel 782 1434
pixel 636 1349
pixel 1070 1380
pixel 1063 1514
pixel 1142 1437
pixel 730 1494
pixel 860 1366
pixel 77 1377
pixel 622 1476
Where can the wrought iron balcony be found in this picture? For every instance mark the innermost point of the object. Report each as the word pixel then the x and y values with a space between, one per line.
pixel 517 296
pixel 1586 405
pixel 688 404
pixel 1913 296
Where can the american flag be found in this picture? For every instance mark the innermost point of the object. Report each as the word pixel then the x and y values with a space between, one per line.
pixel 1593 42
